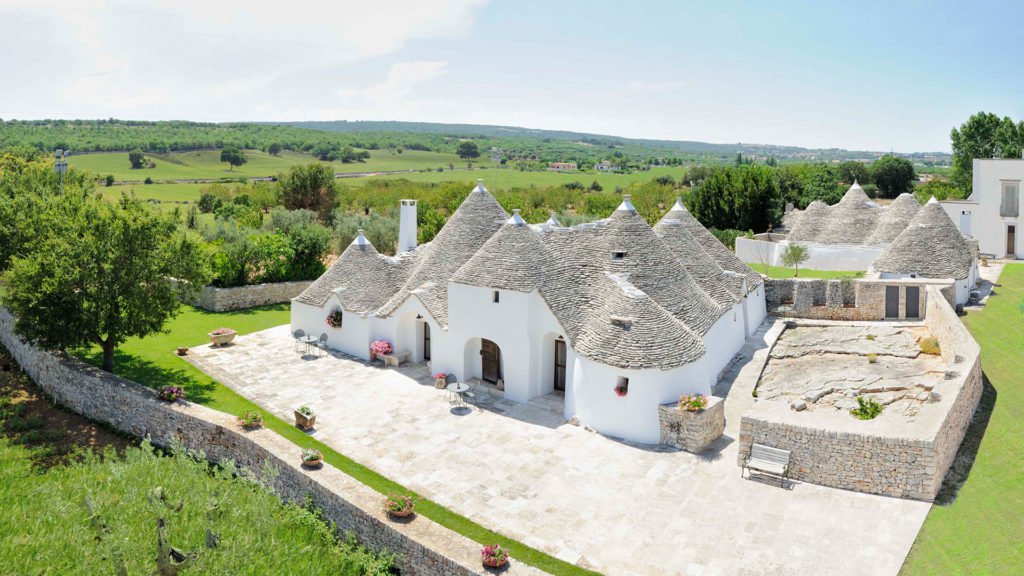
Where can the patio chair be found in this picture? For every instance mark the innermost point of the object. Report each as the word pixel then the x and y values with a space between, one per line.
pixel 452 397
pixel 471 393
pixel 298 334
pixel 322 343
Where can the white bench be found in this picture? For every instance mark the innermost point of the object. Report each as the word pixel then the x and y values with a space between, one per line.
pixel 396 358
pixel 767 460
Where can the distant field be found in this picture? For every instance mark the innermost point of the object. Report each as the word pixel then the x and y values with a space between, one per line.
pixel 203 164
pixel 495 178
pixel 162 192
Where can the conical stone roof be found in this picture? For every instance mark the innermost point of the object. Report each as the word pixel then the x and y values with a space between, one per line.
pixel 725 289
pixel 725 258
pixel 931 247
pixel 895 218
pixel 513 259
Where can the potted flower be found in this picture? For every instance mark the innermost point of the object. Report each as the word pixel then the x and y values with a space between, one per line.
pixel 305 418
pixel 494 556
pixel 222 336
pixel 170 393
pixel 693 403
pixel 440 380
pixel 398 506
pixel 251 420
pixel 312 458
pixel 380 348
pixel 621 390
pixel 334 319
pixel 182 350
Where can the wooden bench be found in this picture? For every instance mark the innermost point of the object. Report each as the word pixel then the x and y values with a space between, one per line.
pixel 767 460
pixel 396 358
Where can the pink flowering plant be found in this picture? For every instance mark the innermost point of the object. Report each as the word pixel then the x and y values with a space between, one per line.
pixel 398 504
pixel 621 391
pixel 381 347
pixel 334 319
pixel 171 393
pixel 440 376
pixel 693 402
pixel 494 555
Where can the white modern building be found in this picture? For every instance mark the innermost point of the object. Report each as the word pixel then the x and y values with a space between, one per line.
pixel 992 212
pixel 542 309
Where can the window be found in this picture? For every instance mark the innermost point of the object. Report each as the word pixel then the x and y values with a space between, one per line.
pixel 622 386
pixel 495 297
pixel 1010 205
pixel 618 255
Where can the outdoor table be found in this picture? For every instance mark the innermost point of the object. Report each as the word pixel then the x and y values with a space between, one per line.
pixel 308 340
pixel 458 389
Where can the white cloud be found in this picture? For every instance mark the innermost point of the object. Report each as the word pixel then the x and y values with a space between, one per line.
pixel 207 59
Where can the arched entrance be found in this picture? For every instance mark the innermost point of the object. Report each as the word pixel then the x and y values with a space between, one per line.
pixel 490 359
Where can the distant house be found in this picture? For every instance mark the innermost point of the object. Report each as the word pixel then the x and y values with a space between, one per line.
pixel 992 212
pixel 562 166
pixel 605 166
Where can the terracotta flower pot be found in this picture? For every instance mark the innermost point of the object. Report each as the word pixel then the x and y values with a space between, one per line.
pixel 182 350
pixel 401 513
pixel 222 339
pixel 440 383
pixel 313 463
pixel 495 563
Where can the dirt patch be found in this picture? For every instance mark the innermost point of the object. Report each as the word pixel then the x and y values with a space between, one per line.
pixel 54 434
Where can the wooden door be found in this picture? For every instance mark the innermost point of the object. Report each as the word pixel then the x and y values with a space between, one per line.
pixel 426 341
pixel 892 301
pixel 913 302
pixel 1011 240
pixel 560 359
pixel 491 356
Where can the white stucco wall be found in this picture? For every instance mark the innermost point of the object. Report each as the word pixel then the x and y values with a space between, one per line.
pixel 755 309
pixel 979 217
pixel 635 416
pixel 723 340
pixel 820 256
pixel 353 336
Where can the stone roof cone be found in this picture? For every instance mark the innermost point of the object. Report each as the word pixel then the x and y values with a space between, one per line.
pixel 931 246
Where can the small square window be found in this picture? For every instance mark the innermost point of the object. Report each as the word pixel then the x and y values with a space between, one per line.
pixel 495 297
pixel 618 255
pixel 622 386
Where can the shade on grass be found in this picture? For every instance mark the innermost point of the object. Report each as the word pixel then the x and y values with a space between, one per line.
pixel 152 361
pixel 982 530
pixel 784 272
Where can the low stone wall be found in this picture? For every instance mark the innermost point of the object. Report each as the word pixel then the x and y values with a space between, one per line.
pixel 692 431
pixel 849 300
pixel 424 547
pixel 905 459
pixel 225 299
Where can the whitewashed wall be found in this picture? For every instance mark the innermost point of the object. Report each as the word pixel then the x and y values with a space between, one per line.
pixel 353 336
pixel 979 217
pixel 755 310
pixel 820 256
pixel 723 340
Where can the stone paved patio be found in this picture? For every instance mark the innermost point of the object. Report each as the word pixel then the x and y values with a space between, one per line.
pixel 596 501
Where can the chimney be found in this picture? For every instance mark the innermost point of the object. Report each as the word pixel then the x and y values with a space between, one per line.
pixel 407 226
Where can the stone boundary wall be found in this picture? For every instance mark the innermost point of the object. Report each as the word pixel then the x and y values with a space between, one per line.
pixel 425 548
pixel 691 431
pixel 225 299
pixel 900 459
pixel 848 300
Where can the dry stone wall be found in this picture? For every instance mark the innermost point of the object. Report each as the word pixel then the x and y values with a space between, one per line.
pixel 691 431
pixel 850 300
pixel 425 548
pixel 905 461
pixel 225 299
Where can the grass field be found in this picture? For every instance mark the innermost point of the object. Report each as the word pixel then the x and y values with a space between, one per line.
pixel 784 272
pixel 152 361
pixel 502 178
pixel 162 192
pixel 982 531
pixel 205 164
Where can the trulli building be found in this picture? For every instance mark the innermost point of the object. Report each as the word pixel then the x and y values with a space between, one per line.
pixel 546 309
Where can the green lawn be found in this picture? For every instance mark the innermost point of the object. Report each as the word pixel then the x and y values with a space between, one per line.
pixel 982 531
pixel 152 361
pixel 784 272
pixel 169 192
pixel 203 164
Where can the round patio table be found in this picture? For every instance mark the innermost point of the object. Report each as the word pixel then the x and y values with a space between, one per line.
pixel 458 389
pixel 308 340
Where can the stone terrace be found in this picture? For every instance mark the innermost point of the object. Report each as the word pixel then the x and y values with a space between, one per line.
pixel 592 500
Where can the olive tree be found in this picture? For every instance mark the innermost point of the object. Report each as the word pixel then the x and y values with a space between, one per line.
pixel 793 256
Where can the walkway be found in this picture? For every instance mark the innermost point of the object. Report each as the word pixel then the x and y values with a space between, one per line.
pixel 599 502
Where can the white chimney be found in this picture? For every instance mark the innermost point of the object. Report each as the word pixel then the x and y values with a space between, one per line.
pixel 407 226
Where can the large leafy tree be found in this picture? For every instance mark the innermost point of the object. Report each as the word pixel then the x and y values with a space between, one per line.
pixel 311 186
pixel 983 135
pixel 233 155
pixel 853 171
pixel 137 157
pixel 468 150
pixel 102 276
pixel 893 175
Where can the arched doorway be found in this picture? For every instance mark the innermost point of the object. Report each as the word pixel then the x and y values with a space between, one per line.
pixel 490 359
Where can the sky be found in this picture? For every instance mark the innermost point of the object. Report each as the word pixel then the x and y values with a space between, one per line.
pixel 883 76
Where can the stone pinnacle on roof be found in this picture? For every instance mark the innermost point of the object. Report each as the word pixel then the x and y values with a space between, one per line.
pixel 516 219
pixel 679 205
pixel 360 239
pixel 553 220
pixel 626 205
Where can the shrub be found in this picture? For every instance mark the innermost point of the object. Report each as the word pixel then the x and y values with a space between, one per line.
pixel 930 345
pixel 494 555
pixel 109 180
pixel 729 236
pixel 693 403
pixel 870 337
pixel 872 358
pixel 171 393
pixel 311 455
pixel 305 411
pixel 207 202
pixel 867 408
pixel 148 180
pixel 398 503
